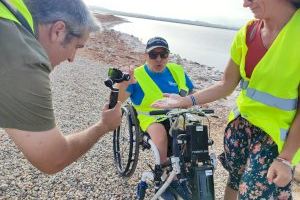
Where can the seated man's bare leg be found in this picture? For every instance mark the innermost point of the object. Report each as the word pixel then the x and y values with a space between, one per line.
pixel 158 135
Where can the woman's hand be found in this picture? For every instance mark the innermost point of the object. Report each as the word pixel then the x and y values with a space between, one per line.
pixel 171 101
pixel 279 173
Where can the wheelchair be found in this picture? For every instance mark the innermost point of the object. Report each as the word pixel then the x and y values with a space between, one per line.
pixel 126 142
pixel 191 160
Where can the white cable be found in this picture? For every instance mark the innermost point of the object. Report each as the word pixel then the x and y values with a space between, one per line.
pixel 147 176
pixel 154 150
pixel 164 186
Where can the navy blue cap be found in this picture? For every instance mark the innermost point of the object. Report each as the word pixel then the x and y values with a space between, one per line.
pixel 155 43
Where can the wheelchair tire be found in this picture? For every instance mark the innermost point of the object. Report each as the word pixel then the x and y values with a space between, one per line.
pixel 126 139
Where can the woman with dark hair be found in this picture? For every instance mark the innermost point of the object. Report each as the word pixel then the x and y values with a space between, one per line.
pixel 261 141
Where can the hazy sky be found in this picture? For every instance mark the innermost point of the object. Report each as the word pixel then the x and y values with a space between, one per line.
pixel 214 11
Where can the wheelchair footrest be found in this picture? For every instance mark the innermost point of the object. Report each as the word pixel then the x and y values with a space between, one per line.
pixel 141 190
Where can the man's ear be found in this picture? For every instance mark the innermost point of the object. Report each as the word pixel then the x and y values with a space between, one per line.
pixel 58 31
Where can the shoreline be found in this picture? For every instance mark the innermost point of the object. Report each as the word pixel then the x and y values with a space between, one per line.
pixel 104 11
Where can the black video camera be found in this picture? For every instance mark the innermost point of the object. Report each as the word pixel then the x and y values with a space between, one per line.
pixel 115 76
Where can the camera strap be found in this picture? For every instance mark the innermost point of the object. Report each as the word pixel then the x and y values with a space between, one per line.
pixel 18 15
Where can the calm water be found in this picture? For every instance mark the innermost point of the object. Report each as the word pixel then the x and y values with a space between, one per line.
pixel 209 46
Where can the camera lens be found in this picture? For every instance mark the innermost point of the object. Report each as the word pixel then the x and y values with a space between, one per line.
pixel 126 77
pixel 108 83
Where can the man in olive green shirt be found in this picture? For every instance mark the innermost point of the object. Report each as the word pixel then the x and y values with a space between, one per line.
pixel 26 60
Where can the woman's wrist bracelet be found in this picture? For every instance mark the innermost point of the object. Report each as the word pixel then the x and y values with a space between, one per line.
pixel 193 100
pixel 284 161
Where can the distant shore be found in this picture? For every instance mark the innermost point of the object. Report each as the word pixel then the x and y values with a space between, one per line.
pixel 104 11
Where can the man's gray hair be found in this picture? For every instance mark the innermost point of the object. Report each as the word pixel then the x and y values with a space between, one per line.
pixel 74 13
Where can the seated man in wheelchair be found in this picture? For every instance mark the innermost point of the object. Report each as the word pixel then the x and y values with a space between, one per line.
pixel 148 83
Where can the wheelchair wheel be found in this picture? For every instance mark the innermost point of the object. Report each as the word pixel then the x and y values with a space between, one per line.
pixel 126 139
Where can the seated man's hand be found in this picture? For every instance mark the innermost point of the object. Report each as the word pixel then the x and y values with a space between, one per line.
pixel 111 118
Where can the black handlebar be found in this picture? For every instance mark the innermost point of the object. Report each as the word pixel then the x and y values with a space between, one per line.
pixel 159 112
pixel 208 111
pixel 113 98
pixel 164 112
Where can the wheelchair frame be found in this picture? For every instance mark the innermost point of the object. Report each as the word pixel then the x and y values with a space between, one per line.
pixel 137 138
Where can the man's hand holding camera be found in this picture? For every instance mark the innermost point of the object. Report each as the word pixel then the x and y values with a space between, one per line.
pixel 111 118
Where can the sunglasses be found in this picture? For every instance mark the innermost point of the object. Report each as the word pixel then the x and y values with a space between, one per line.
pixel 153 55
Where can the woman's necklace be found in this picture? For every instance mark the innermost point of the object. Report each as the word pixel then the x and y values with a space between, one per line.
pixel 268 37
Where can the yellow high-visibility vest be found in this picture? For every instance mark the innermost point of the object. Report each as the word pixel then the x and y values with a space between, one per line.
pixel 269 98
pixel 21 7
pixel 153 93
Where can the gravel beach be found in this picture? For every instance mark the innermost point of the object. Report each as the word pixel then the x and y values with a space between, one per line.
pixel 78 97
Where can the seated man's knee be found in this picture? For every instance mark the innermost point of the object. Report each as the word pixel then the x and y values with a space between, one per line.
pixel 158 133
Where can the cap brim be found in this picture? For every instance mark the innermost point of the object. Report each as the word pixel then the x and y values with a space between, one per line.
pixel 154 47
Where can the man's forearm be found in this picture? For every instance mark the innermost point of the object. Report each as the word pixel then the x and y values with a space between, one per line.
pixel 79 143
pixel 50 151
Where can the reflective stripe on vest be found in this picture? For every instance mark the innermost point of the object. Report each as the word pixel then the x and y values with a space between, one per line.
pixel 265 98
pixel 270 100
pixel 235 113
pixel 283 134
pixel 244 84
pixel 21 9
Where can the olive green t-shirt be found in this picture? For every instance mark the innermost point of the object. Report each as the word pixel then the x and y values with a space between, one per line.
pixel 25 93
